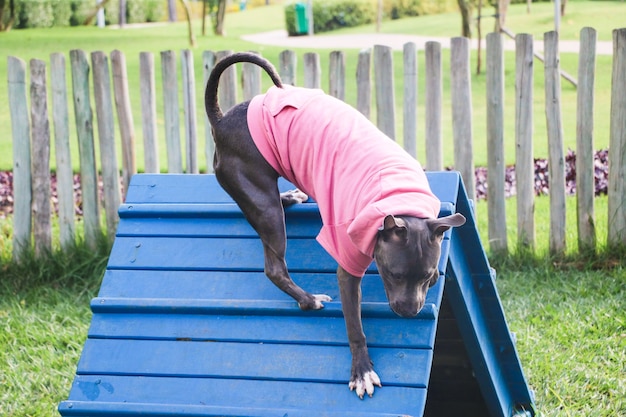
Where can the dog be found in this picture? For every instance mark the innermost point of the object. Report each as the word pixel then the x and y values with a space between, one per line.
pixel 374 199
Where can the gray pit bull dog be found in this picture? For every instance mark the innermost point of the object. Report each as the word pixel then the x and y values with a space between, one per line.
pixel 374 199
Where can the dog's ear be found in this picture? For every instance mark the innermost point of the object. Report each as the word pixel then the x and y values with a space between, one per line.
pixel 394 230
pixel 439 226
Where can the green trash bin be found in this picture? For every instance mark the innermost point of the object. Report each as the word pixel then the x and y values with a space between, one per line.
pixel 302 19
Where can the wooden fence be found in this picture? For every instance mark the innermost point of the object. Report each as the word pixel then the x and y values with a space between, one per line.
pixel 32 135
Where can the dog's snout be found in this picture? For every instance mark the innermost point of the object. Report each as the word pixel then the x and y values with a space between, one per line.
pixel 407 310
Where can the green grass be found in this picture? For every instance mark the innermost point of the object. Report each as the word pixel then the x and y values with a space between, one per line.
pixel 602 15
pixel 568 314
pixel 44 316
pixel 40 43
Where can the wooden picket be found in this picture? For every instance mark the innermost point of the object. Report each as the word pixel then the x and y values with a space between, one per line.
pixel 556 154
pixel 22 194
pixel 374 73
pixel 585 187
pixel 524 167
pixel 495 144
pixel 617 143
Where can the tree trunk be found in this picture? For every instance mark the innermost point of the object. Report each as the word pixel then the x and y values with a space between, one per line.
pixel 122 15
pixel 9 25
pixel 466 11
pixel 219 19
pixel 479 33
pixel 502 6
pixel 171 10
pixel 204 17
pixel 93 13
pixel 192 38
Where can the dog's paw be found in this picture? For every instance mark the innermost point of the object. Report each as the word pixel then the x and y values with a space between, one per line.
pixel 365 384
pixel 316 303
pixel 319 299
pixel 291 197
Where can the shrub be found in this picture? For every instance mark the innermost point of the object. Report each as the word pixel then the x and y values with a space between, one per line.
pixel 331 15
pixel 111 13
pixel 48 13
pixel 81 9
pixel 62 13
pixel 34 14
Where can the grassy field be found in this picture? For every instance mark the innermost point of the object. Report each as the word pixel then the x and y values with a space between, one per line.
pixel 40 43
pixel 569 314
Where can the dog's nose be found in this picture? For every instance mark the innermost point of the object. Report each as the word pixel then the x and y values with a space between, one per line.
pixel 407 310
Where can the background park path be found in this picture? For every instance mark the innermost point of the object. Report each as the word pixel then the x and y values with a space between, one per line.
pixel 395 41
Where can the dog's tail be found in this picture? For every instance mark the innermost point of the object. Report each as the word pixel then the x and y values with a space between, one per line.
pixel 212 107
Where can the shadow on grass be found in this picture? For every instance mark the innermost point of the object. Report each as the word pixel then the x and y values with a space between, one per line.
pixel 524 259
pixel 78 268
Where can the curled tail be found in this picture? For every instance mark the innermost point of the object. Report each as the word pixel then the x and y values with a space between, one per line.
pixel 212 107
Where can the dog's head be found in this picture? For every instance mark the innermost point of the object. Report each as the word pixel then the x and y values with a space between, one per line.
pixel 407 254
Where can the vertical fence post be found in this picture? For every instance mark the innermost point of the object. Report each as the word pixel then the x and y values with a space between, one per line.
pixel 208 62
pixel 337 75
pixel 433 93
pixel 524 165
pixel 312 70
pixel 170 112
pixel 84 130
pixel 364 83
pixel 461 91
pixel 227 90
pixel 585 182
pixel 251 80
pixel 106 136
pixel 65 180
pixel 385 92
pixel 124 116
pixel 189 104
pixel 42 225
pixel 496 168
pixel 20 127
pixel 288 62
pixel 409 128
pixel 556 157
pixel 617 143
pixel 148 112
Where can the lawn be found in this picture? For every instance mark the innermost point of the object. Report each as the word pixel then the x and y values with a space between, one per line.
pixel 569 314
pixel 569 318
pixel 40 43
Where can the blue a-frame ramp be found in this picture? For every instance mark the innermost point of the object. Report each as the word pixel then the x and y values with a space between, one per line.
pixel 187 324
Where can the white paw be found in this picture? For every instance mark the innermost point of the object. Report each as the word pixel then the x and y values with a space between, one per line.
pixel 320 299
pixel 294 196
pixel 365 384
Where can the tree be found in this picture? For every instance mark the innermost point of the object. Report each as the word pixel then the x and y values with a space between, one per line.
pixel 219 19
pixel 122 15
pixel 7 27
pixel 192 38
pixel 94 12
pixel 465 7
pixel 171 10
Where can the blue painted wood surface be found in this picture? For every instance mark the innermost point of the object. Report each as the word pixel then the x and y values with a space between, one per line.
pixel 186 323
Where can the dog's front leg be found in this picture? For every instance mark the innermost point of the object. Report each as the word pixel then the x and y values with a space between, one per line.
pixel 362 378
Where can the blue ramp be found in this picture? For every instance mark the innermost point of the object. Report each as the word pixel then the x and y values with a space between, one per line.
pixel 187 324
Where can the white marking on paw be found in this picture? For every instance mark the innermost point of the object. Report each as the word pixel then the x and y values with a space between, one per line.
pixel 320 299
pixel 297 195
pixel 365 384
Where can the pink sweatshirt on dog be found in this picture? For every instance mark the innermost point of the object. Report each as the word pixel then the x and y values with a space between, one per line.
pixel 355 173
